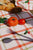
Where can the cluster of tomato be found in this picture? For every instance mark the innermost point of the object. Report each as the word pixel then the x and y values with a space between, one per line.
pixel 13 21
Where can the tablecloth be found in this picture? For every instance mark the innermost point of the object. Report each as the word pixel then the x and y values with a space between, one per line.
pixel 6 32
pixel 28 6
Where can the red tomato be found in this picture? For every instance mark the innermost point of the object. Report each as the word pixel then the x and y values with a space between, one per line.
pixel 22 21
pixel 12 21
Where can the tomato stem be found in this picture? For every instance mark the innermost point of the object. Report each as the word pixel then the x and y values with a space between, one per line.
pixel 13 19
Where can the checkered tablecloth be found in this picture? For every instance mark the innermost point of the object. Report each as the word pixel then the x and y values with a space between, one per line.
pixel 28 6
pixel 20 29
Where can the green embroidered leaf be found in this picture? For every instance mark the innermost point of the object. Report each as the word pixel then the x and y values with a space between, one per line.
pixel 2 20
pixel 26 32
pixel 27 1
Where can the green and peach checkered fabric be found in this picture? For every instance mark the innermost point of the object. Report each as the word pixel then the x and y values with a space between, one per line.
pixel 20 29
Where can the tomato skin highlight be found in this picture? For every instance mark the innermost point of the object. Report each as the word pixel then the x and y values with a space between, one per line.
pixel 12 21
pixel 22 21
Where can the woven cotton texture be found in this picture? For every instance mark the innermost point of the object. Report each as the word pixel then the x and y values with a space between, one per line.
pixel 20 29
pixel 28 6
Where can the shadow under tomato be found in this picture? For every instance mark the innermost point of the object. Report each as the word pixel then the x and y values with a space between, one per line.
pixel 5 22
